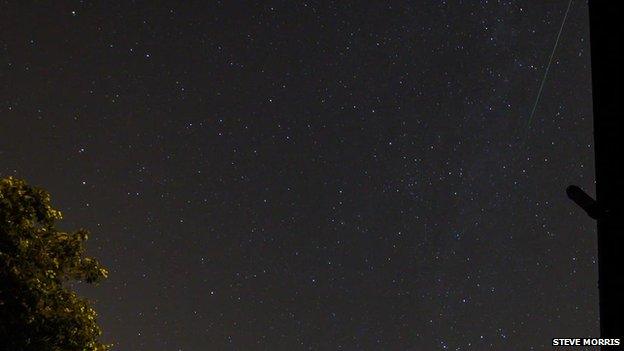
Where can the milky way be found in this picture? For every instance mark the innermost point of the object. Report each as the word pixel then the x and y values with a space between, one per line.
pixel 296 176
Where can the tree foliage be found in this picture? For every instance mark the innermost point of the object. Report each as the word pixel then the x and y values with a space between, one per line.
pixel 38 311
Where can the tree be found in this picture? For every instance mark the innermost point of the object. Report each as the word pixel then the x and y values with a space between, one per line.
pixel 38 311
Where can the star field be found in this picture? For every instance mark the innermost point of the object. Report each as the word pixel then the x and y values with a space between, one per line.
pixel 313 176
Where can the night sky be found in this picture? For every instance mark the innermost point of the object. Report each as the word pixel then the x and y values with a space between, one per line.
pixel 313 176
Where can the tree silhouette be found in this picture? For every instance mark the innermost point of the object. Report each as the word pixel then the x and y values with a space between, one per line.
pixel 38 311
